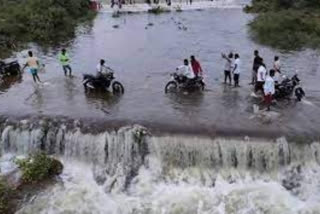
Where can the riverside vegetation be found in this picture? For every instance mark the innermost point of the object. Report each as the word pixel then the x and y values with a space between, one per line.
pixel 36 171
pixel 46 22
pixel 286 24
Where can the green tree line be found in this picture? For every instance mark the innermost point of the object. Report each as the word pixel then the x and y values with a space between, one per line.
pixel 39 20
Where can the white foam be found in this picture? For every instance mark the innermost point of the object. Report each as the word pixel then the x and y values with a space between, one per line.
pixel 80 194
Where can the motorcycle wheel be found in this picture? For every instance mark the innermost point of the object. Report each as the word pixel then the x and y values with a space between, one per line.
pixel 171 86
pixel 117 88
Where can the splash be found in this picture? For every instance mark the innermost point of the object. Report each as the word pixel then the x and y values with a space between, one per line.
pixel 131 171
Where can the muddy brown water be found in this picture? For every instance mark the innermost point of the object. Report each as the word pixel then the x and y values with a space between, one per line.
pixel 143 56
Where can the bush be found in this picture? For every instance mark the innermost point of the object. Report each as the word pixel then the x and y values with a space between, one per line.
pixel 5 193
pixel 258 6
pixel 286 24
pixel 287 29
pixel 40 21
pixel 39 167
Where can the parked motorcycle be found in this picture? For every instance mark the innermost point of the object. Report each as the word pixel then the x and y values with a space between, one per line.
pixel 180 82
pixel 102 82
pixel 288 87
pixel 9 69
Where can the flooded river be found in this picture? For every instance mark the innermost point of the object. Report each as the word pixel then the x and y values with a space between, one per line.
pixel 172 165
pixel 144 55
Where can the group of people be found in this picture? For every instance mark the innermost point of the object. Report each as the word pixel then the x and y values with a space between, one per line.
pixel 34 65
pixel 262 80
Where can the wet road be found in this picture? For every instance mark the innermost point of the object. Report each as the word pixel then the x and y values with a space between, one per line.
pixel 144 55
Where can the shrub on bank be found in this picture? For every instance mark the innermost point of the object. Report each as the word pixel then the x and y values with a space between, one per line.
pixel 286 24
pixel 40 21
pixel 39 167
pixel 287 29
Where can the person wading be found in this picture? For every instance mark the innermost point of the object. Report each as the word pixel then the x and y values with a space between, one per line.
pixel 255 67
pixel 196 67
pixel 228 67
pixel 33 64
pixel 261 76
pixel 277 69
pixel 236 70
pixel 269 89
pixel 65 62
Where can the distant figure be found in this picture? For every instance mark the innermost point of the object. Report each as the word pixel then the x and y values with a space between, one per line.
pixel 277 69
pixel 65 62
pixel 196 67
pixel 228 67
pixel 261 76
pixel 255 67
pixel 269 89
pixel 236 70
pixel 33 64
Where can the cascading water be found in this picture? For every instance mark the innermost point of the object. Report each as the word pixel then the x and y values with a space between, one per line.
pixel 131 171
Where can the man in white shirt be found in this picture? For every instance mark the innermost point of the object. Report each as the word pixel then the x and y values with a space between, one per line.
pixel 261 76
pixel 228 67
pixel 186 70
pixel 236 70
pixel 102 69
pixel 269 89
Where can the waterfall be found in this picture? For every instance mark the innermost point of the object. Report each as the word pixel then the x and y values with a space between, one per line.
pixel 125 150
pixel 130 162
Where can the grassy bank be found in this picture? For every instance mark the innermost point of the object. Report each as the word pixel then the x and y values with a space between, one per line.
pixel 39 21
pixel 38 172
pixel 286 24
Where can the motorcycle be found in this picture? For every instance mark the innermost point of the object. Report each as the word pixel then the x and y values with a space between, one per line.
pixel 182 83
pixel 289 86
pixel 102 82
pixel 9 69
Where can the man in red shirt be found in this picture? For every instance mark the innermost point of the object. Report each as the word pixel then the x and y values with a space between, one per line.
pixel 196 67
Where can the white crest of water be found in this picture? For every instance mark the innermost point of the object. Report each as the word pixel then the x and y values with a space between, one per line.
pixel 130 171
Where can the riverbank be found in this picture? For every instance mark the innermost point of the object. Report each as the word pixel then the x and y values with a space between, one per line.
pixel 290 25
pixel 24 177
pixel 42 22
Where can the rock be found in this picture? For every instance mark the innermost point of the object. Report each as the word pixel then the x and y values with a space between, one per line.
pixel 115 26
pixel 56 168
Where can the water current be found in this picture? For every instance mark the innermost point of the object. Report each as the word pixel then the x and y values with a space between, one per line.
pixel 200 153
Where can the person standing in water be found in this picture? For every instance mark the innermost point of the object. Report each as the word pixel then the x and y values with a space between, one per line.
pixel 196 67
pixel 236 70
pixel 261 76
pixel 228 67
pixel 33 64
pixel 277 69
pixel 255 67
pixel 65 62
pixel 269 89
